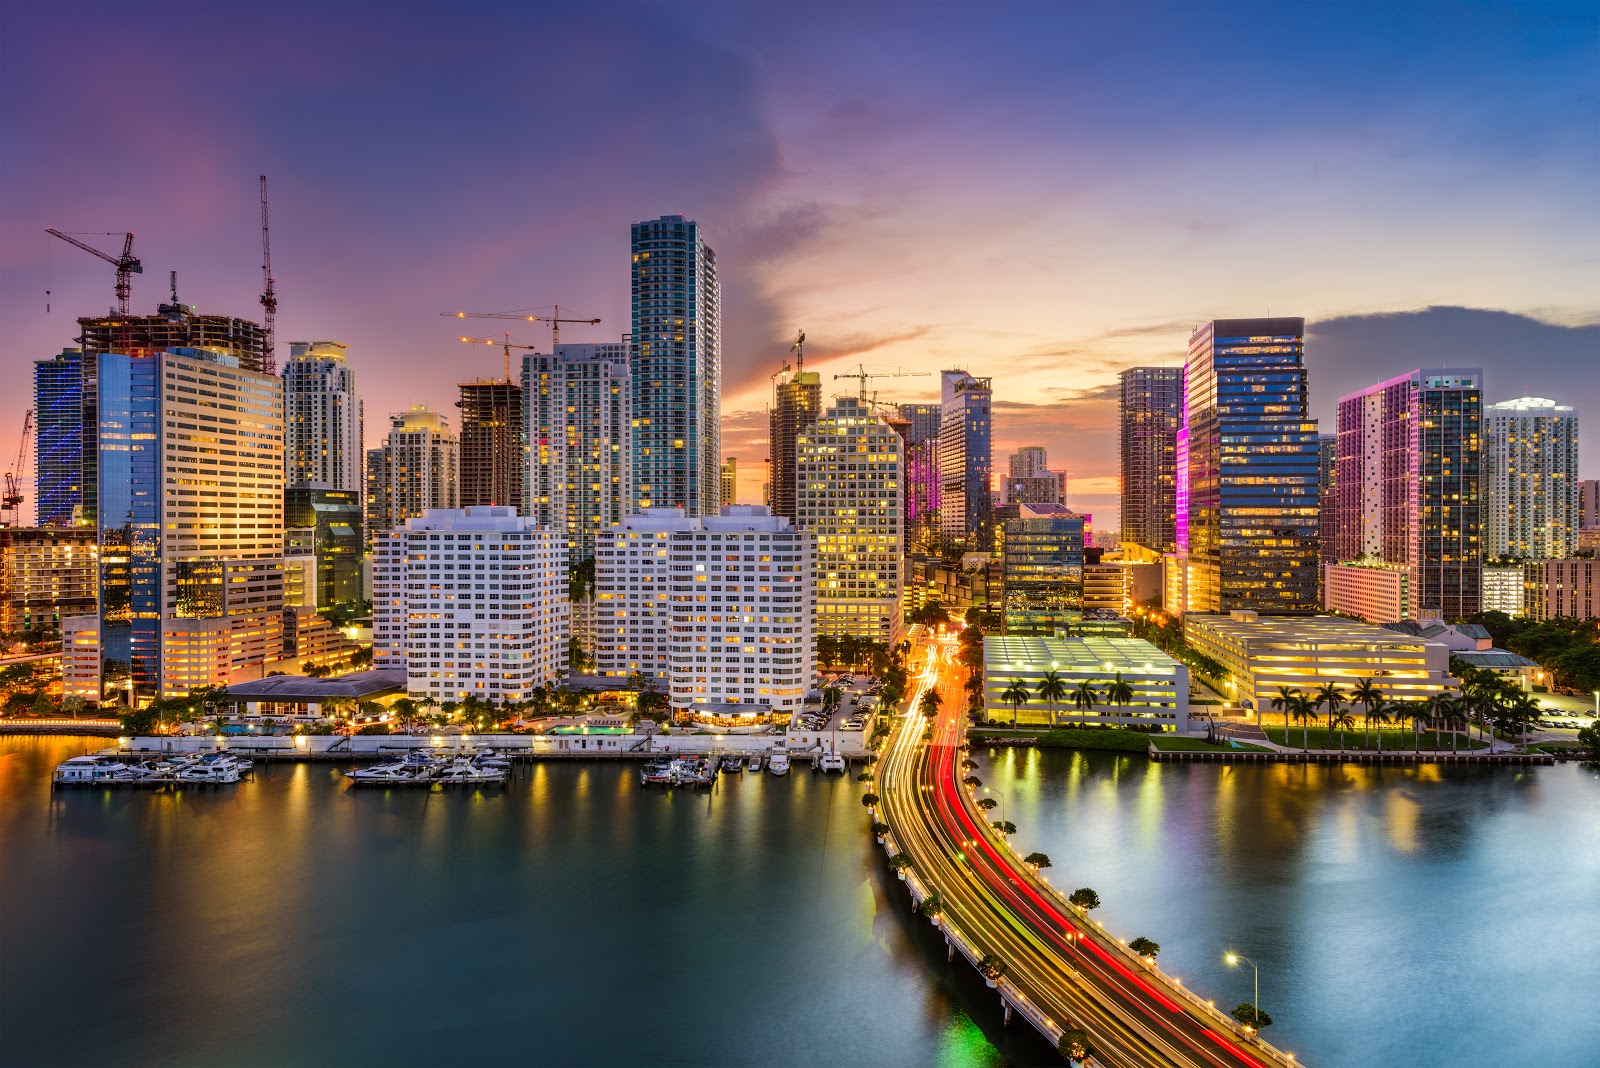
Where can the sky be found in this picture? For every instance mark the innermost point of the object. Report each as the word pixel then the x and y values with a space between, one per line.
pixel 1042 193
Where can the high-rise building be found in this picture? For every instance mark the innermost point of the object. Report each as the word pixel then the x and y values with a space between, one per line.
pixel 324 417
pixel 1041 546
pixel 1327 508
pixel 578 435
pixel 796 403
pixel 965 507
pixel 1531 499
pixel 191 520
pixel 1149 400
pixel 1249 447
pixel 851 496
pixel 741 647
pixel 677 367
pixel 66 443
pixel 1031 481
pixel 1561 589
pixel 921 434
pixel 46 574
pixel 472 602
pixel 633 610
pixel 1589 504
pixel 730 481
pixel 331 520
pixel 413 471
pixel 176 326
pixel 1409 485
pixel 493 461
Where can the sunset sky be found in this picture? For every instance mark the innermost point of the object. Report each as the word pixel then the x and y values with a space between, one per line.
pixel 1042 192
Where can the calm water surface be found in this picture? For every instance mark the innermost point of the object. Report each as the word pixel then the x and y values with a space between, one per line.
pixel 1408 917
pixel 1419 916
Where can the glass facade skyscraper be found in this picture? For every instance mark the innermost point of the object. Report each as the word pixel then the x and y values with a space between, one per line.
pixel 1041 546
pixel 677 368
pixel 334 517
pixel 66 420
pixel 1251 455
pixel 1149 400
pixel 966 509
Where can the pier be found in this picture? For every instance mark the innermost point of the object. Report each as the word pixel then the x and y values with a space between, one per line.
pixel 1251 756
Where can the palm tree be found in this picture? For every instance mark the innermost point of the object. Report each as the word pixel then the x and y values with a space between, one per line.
pixel 1085 696
pixel 1453 714
pixel 1366 693
pixel 1342 720
pixel 929 704
pixel 1379 714
pixel 1017 694
pixel 1331 698
pixel 1420 714
pixel 1118 692
pixel 1052 688
pixel 1284 703
pixel 1304 710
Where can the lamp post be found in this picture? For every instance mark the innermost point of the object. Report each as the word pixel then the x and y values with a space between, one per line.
pixel 999 797
pixel 1234 959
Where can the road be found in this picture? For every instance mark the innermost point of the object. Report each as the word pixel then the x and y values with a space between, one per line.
pixel 1065 964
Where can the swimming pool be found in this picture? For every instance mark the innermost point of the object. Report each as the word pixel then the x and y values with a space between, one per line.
pixel 588 730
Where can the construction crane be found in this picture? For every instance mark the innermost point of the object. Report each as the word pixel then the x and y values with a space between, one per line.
pixel 11 502
pixel 555 320
pixel 861 374
pixel 799 350
pixel 127 264
pixel 269 292
pixel 506 344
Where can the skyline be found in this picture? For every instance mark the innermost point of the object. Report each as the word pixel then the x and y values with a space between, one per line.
pixel 1094 209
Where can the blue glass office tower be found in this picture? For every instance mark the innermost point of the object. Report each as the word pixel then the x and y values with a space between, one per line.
pixel 130 519
pixel 676 369
pixel 1252 469
pixel 966 508
pixel 66 436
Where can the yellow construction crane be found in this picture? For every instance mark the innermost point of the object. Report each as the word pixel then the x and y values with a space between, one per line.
pixel 506 344
pixel 861 374
pixel 554 320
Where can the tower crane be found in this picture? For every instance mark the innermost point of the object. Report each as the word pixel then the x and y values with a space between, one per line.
pixel 507 344
pixel 861 374
pixel 11 502
pixel 555 320
pixel 127 264
pixel 269 292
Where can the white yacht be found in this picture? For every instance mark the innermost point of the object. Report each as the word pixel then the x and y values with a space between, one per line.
pixel 755 762
pixel 92 769
pixel 396 771
pixel 831 760
pixel 463 772
pixel 214 768
pixel 778 762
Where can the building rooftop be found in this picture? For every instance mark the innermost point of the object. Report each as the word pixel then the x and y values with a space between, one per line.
pixel 1089 653
pixel 359 686
pixel 1493 659
pixel 1247 628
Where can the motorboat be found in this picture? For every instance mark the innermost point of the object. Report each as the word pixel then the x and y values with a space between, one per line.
pixel 488 758
pixel 463 772
pixel 732 763
pixel 215 768
pixel 755 762
pixel 92 769
pixel 778 763
pixel 831 760
pixel 394 771
pixel 655 774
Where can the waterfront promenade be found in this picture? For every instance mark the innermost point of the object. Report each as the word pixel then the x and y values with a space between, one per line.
pixel 1061 969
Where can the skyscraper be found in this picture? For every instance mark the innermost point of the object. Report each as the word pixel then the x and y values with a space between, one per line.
pixel 921 431
pixel 493 461
pixel 331 520
pixel 414 470
pixel 1042 550
pixel 796 402
pixel 578 435
pixel 851 497
pixel 677 367
pixel 965 506
pixel 1327 506
pixel 1031 481
pixel 1251 448
pixel 1149 400
pixel 1409 485
pixel 66 443
pixel 1589 504
pixel 323 417
pixel 729 493
pixel 1530 479
pixel 191 520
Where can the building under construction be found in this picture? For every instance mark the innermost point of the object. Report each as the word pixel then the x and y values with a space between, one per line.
pixel 492 456
pixel 796 403
pixel 176 326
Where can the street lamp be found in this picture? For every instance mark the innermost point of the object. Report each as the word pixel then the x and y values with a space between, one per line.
pixel 1233 959
pixel 1001 798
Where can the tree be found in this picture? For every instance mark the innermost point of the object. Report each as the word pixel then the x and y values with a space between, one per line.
pixel 1332 698
pixel 1118 692
pixel 899 863
pixel 1074 1044
pixel 1251 1016
pixel 869 800
pixel 1084 899
pixel 1084 697
pixel 879 828
pixel 1366 694
pixel 1379 714
pixel 1304 710
pixel 1342 721
pixel 929 704
pixel 1016 695
pixel 1145 948
pixel 1005 827
pixel 1284 703
pixel 991 967
pixel 931 906
pixel 973 781
pixel 1453 716
pixel 1036 861
pixel 1053 688
pixel 986 803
